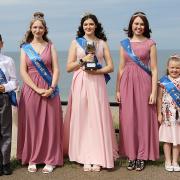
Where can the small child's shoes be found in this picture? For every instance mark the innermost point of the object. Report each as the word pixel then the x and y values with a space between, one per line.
pixel 176 167
pixel 169 167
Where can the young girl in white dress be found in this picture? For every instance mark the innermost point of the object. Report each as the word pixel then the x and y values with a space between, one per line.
pixel 169 113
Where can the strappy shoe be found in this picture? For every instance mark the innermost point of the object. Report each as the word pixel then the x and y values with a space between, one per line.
pixel 32 168
pixel 48 169
pixel 132 165
pixel 87 167
pixel 140 165
pixel 96 168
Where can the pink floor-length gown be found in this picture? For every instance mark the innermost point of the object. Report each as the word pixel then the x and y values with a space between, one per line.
pixel 89 136
pixel 40 124
pixel 138 119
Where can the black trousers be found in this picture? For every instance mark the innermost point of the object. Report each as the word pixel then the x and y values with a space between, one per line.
pixel 5 128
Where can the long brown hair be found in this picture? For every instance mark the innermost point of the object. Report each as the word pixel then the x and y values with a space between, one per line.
pixel 99 33
pixel 29 36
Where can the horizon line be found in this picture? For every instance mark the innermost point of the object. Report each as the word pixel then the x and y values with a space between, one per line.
pixel 13 51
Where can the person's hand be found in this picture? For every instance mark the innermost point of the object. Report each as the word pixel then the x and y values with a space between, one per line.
pixel 93 72
pixel 40 91
pixel 160 118
pixel 47 92
pixel 118 98
pixel 152 99
pixel 2 88
pixel 88 58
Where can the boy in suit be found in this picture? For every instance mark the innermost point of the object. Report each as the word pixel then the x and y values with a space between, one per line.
pixel 8 83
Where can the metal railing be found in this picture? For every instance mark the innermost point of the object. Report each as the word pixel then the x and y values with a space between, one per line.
pixel 113 104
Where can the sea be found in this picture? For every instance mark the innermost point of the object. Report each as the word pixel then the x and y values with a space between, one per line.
pixel 66 78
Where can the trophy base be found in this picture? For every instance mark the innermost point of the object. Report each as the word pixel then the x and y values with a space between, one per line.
pixel 90 66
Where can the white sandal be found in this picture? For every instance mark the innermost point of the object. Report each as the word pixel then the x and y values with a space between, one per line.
pixel 32 168
pixel 48 169
pixel 87 167
pixel 96 168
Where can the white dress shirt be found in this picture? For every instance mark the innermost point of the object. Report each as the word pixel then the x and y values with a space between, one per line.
pixel 8 67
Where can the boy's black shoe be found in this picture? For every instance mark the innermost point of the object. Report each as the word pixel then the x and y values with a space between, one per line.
pixel 7 169
pixel 1 169
pixel 140 165
pixel 131 165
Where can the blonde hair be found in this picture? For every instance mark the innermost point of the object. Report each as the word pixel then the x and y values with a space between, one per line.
pixel 28 35
pixel 175 58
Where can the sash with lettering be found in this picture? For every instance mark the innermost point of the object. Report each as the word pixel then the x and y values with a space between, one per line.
pixel 11 94
pixel 40 66
pixel 82 42
pixel 171 89
pixel 127 47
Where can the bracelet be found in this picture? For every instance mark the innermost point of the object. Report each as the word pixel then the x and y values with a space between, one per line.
pixel 52 87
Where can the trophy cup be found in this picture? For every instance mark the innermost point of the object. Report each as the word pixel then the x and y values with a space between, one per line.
pixel 90 49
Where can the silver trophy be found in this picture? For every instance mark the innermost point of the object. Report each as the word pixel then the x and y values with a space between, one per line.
pixel 90 49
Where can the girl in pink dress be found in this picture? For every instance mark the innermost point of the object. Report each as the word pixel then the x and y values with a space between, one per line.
pixel 40 114
pixel 89 137
pixel 169 114
pixel 136 92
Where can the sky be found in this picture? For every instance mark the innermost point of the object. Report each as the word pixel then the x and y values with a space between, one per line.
pixel 63 18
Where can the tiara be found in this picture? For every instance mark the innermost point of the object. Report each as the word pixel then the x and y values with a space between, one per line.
pixel 38 17
pixel 86 14
pixel 175 56
pixel 139 14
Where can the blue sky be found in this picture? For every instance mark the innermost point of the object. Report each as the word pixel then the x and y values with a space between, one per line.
pixel 63 18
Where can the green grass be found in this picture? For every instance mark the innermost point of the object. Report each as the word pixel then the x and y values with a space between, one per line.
pixel 15 164
pixel 122 162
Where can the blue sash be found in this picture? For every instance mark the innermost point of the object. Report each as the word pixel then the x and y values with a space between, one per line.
pixel 83 42
pixel 40 66
pixel 171 89
pixel 12 94
pixel 127 47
